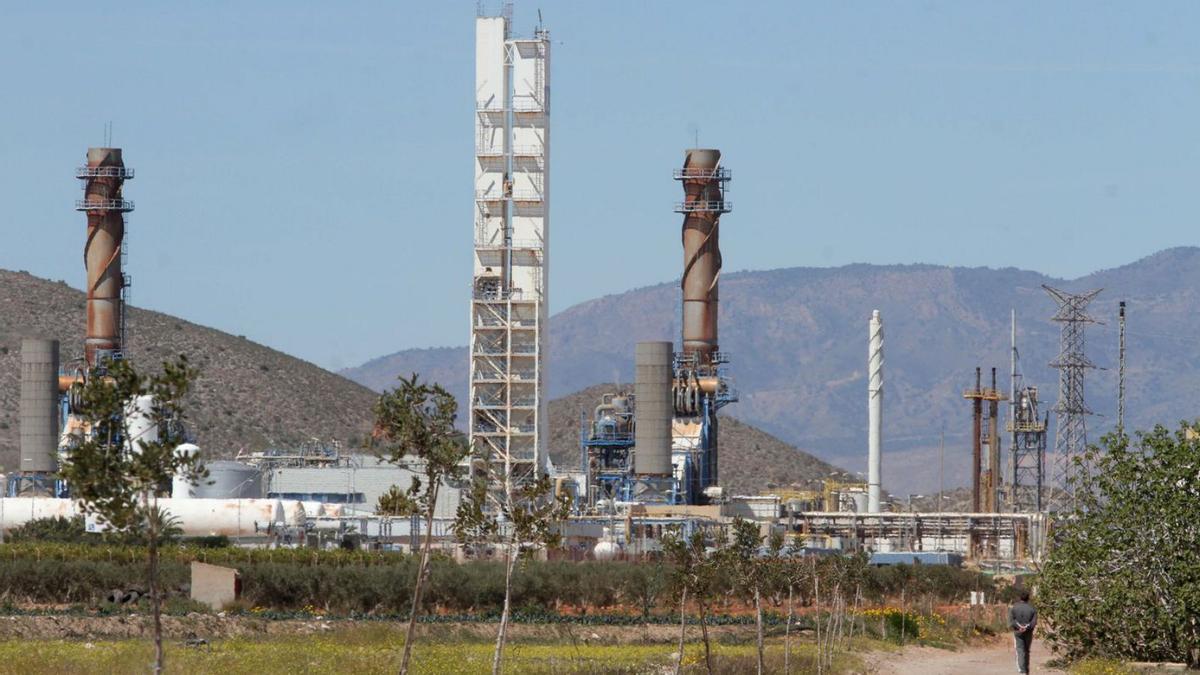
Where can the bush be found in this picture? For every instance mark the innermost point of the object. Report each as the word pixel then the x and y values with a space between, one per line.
pixel 1123 577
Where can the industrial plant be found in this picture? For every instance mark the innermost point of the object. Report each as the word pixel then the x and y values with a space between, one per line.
pixel 648 459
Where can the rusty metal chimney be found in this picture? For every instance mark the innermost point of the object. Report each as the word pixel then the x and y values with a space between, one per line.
pixel 703 181
pixel 103 178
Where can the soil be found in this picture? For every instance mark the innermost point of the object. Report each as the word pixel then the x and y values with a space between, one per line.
pixel 997 657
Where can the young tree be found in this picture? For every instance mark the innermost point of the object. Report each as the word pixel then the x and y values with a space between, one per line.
pixel 1122 579
pixel 117 477
pixel 749 571
pixel 521 518
pixel 415 421
pixel 695 574
pixel 795 575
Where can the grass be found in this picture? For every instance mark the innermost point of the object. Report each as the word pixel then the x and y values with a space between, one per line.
pixel 367 649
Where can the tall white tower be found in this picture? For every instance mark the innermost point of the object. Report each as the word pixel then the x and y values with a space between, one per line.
pixel 874 411
pixel 512 237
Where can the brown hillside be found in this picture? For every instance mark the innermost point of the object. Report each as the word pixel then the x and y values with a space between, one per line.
pixel 751 459
pixel 248 395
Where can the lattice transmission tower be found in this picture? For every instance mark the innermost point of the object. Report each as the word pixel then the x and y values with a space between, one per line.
pixel 1071 412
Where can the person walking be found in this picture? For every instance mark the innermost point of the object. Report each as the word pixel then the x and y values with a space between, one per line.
pixel 1022 619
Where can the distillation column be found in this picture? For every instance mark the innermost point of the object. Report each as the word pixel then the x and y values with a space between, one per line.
pixel 874 411
pixel 103 179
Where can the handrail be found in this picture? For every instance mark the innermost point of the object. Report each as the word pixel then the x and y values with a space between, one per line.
pixel 718 173
pixel 701 205
pixel 103 205
pixel 104 172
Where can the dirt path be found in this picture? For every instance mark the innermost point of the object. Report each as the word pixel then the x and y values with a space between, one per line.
pixel 996 657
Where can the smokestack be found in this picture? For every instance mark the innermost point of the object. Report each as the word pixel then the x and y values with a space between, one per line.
pixel 874 411
pixel 654 409
pixel 39 405
pixel 704 202
pixel 976 442
pixel 103 178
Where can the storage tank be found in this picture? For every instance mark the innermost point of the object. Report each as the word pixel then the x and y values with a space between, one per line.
pixel 607 548
pixel 39 405
pixel 16 511
pixel 314 509
pixel 229 517
pixel 181 487
pixel 230 480
pixel 294 514
pixel 652 392
pixel 139 423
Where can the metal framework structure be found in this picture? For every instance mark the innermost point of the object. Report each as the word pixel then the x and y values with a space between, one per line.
pixel 1071 412
pixel 1026 427
pixel 508 419
pixel 985 480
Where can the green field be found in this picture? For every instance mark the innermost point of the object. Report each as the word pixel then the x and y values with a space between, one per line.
pixel 376 649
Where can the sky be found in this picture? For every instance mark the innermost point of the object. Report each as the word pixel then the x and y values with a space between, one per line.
pixel 304 170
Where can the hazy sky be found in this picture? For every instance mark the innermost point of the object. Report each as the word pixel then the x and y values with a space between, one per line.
pixel 304 169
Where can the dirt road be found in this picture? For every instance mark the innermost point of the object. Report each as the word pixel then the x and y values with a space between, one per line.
pixel 996 657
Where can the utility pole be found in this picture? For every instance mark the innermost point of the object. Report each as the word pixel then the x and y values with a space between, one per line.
pixel 1121 374
pixel 942 469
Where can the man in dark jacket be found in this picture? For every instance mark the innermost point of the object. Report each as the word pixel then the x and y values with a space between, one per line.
pixel 1022 618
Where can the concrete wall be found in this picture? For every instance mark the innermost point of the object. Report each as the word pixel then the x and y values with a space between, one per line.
pixel 214 585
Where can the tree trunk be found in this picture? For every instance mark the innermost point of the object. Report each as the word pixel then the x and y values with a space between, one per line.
pixel 758 624
pixel 155 599
pixel 817 615
pixel 509 563
pixel 704 632
pixel 419 586
pixel 682 629
pixel 787 637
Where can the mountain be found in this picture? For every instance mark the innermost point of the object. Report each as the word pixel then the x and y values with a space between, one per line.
pixel 247 396
pixel 798 337
pixel 764 462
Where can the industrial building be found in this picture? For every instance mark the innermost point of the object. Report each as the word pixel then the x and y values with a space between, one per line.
pixel 649 460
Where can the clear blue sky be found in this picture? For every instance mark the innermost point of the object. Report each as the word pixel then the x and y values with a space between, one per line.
pixel 304 169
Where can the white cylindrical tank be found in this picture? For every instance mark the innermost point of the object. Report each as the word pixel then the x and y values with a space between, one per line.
pixel 230 480
pixel 874 410
pixel 230 517
pixel 607 548
pixel 16 511
pixel 139 423
pixel 294 513
pixel 181 487
pixel 861 502
pixel 315 509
